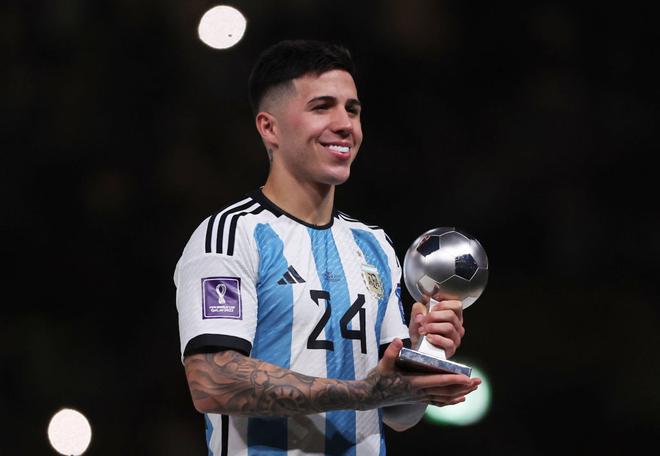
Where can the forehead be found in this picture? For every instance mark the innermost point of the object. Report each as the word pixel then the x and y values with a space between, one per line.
pixel 333 83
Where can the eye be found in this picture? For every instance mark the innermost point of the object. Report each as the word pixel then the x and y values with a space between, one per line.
pixel 321 107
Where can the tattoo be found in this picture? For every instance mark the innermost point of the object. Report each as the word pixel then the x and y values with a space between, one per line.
pixel 231 383
pixel 390 389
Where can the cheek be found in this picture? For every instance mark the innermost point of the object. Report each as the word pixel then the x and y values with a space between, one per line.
pixel 357 134
pixel 314 129
pixel 306 125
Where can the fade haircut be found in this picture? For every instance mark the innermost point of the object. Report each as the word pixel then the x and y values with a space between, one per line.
pixel 287 60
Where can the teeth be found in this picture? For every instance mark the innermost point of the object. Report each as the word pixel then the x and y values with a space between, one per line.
pixel 342 149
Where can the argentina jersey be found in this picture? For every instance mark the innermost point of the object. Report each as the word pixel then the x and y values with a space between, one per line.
pixel 323 301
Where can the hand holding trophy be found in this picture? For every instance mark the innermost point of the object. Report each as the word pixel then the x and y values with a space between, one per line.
pixel 442 263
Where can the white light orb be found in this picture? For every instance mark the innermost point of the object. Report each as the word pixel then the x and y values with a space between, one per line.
pixel 475 407
pixel 221 27
pixel 69 432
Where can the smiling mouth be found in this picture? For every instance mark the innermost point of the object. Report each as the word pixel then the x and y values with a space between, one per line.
pixel 337 148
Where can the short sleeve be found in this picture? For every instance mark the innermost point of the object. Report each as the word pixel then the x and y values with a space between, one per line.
pixel 216 296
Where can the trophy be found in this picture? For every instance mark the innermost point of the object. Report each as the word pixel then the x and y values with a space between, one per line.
pixel 442 263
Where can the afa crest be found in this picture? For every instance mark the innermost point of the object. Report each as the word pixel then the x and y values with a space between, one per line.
pixel 372 281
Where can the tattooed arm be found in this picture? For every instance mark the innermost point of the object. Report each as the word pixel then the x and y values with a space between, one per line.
pixel 231 383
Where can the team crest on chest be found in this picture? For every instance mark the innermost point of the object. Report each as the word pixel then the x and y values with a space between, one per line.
pixel 372 281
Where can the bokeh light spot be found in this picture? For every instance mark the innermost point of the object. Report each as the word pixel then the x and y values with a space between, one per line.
pixel 69 432
pixel 471 411
pixel 221 27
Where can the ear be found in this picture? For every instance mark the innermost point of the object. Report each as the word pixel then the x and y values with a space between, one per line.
pixel 267 128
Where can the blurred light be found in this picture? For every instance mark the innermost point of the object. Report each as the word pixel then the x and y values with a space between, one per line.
pixel 69 432
pixel 474 408
pixel 221 27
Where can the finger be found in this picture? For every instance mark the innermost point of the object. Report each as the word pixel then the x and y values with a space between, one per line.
pixel 418 307
pixel 387 363
pixel 442 335
pixel 445 329
pixel 430 381
pixel 451 305
pixel 458 400
pixel 417 316
pixel 444 315
pixel 447 344
pixel 445 402
pixel 444 398
pixel 449 392
pixel 436 323
pixel 452 389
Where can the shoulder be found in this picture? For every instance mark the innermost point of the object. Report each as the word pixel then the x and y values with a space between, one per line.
pixel 357 225
pixel 220 232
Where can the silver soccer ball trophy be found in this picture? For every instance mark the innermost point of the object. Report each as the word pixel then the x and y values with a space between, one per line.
pixel 442 263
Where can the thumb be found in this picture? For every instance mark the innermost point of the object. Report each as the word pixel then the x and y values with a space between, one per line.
pixel 388 362
pixel 417 313
pixel 417 308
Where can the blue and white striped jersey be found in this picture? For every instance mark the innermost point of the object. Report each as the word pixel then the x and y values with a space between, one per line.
pixel 320 300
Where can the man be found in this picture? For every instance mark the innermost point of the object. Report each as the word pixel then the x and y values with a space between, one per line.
pixel 289 311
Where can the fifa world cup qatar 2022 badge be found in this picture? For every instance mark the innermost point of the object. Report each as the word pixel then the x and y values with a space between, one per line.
pixel 221 298
pixel 442 263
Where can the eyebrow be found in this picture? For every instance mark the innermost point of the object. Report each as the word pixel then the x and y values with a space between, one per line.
pixel 352 102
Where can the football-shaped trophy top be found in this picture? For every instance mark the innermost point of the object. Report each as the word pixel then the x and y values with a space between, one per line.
pixel 445 263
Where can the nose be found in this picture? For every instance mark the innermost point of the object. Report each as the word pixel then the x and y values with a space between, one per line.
pixel 342 123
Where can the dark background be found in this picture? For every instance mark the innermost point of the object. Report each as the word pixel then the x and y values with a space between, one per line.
pixel 532 125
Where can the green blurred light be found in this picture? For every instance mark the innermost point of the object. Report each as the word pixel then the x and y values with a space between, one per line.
pixel 474 408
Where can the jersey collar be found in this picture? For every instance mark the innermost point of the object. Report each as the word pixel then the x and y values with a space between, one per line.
pixel 259 196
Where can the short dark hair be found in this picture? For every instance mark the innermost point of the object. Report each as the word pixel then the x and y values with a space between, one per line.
pixel 291 59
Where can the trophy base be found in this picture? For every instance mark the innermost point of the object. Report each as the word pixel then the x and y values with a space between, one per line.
pixel 413 360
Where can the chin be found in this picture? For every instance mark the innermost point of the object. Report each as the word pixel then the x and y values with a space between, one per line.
pixel 338 180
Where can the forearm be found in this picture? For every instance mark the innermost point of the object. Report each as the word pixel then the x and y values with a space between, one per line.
pixel 231 383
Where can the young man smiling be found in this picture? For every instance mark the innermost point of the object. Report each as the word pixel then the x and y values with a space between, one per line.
pixel 289 311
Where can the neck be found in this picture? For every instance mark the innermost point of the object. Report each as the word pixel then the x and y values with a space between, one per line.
pixel 311 203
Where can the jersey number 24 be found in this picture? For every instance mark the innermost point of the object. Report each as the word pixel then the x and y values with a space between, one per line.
pixel 358 334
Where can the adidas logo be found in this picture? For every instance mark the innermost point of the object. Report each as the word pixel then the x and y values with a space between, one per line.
pixel 291 276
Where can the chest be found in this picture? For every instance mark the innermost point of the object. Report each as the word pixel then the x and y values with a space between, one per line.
pixel 329 286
